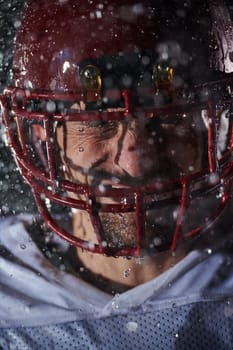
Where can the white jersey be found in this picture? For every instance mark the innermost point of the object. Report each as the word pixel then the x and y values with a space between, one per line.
pixel 190 306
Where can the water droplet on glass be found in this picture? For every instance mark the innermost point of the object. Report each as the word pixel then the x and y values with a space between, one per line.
pixel 150 141
pixel 81 149
pixel 102 188
pixel 12 347
pixel 116 303
pixel 50 106
pixel 173 152
pixel 17 24
pixel 91 245
pixel 104 244
pixel 191 168
pixel 145 60
pixel 132 326
pixel 124 201
pixel 42 196
pixel 127 273
pixel 175 214
pixel 22 246
pixel 157 241
pixel 62 267
pixel 160 140
pixel 27 309
pixel 213 178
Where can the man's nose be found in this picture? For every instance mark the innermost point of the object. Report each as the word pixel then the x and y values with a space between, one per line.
pixel 132 152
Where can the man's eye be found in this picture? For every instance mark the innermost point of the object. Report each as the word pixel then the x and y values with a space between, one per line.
pixel 102 124
pixel 168 121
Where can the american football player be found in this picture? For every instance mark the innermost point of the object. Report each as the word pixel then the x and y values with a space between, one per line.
pixel 119 117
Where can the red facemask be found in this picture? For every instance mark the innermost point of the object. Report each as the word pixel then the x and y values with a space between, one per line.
pixel 119 70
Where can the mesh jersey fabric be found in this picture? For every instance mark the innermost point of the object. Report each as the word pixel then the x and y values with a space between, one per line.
pixel 190 306
pixel 195 326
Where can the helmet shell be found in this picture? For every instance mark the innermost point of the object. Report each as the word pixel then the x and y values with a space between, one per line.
pixel 55 36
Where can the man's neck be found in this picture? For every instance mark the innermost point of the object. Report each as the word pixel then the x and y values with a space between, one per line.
pixel 128 273
pixel 121 272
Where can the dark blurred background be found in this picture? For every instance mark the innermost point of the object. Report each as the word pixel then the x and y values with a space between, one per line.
pixel 15 195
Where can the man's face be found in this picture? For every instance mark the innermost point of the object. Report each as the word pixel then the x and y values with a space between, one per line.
pixel 124 154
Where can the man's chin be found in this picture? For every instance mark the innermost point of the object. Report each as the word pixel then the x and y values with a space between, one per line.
pixel 119 231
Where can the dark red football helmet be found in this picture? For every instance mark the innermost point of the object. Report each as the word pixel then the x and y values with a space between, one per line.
pixel 166 65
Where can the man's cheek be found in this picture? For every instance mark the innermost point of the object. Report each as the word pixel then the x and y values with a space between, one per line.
pixel 187 157
pixel 177 158
pixel 85 154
